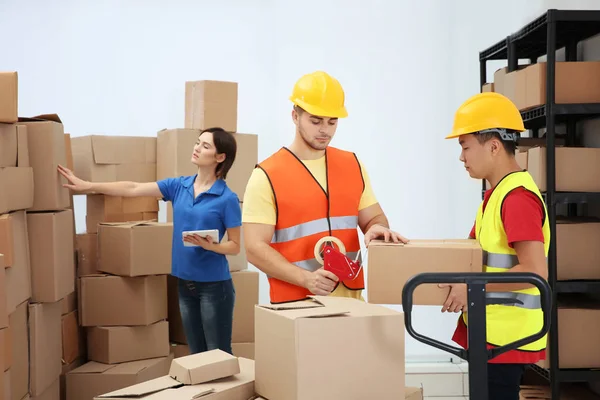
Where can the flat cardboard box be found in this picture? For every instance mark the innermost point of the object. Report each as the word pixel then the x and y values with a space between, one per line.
pixel 133 301
pixel 118 344
pixel 204 367
pixel 52 255
pixel 211 103
pixel 245 350
pixel 93 378
pixel 103 158
pixel 45 345
pixel 17 185
pixel 236 387
pixel 16 244
pixel 390 265
pixel 135 249
pixel 87 254
pixel 291 336
pixel 577 168
pixel 47 149
pixel 9 97
pixel 19 327
pixel 93 221
pixel 71 336
pixel 577 249
pixel 14 151
pixel 246 298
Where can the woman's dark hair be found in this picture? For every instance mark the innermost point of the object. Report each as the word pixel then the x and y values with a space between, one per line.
pixel 225 143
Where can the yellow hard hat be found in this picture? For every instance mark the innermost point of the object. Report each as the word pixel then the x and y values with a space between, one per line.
pixel 485 111
pixel 320 94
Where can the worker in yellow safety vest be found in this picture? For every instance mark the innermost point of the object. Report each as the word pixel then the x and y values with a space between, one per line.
pixel 512 228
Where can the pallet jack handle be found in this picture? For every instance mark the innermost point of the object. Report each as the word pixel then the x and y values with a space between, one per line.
pixel 477 354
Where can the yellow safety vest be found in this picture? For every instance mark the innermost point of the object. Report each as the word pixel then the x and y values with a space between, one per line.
pixel 508 323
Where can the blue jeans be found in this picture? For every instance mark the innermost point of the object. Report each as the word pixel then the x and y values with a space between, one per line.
pixel 207 314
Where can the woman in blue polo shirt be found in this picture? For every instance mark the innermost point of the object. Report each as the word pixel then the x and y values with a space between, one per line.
pixel 200 202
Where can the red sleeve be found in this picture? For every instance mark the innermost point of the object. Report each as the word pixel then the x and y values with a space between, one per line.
pixel 472 234
pixel 522 215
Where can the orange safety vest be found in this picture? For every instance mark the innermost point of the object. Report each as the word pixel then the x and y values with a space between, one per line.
pixel 306 213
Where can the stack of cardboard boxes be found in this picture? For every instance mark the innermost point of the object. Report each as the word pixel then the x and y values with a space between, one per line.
pixel 211 104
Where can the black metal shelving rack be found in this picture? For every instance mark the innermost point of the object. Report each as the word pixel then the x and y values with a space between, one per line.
pixel 554 30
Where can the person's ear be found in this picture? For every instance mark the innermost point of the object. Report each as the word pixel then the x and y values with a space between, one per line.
pixel 220 157
pixel 295 117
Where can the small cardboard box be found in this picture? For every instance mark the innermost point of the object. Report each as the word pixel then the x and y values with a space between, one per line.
pixel 132 301
pixel 291 336
pixel 9 97
pixel 211 103
pixel 16 174
pixel 135 249
pixel 204 367
pixel 236 387
pixel 118 344
pixel 390 265
pixel 103 158
pixel 47 149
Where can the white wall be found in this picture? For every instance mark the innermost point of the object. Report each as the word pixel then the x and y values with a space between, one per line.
pixel 119 68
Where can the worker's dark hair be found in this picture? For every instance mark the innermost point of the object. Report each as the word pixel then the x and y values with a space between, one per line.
pixel 225 143
pixel 299 109
pixel 509 146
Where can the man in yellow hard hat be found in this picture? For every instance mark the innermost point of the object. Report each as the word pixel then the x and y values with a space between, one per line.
pixel 513 230
pixel 307 193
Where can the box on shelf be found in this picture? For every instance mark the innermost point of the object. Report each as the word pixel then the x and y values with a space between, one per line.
pixel 210 104
pixel 103 158
pixel 118 344
pixel 133 301
pixel 290 336
pixel 577 250
pixel 46 151
pixel 392 264
pixel 9 97
pixel 51 254
pixel 135 249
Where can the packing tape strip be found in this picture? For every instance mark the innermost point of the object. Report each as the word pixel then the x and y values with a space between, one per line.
pixel 320 243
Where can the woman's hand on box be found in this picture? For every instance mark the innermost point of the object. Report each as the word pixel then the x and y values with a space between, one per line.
pixel 457 298
pixel 75 184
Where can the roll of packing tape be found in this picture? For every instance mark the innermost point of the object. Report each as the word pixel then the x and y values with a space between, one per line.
pixel 322 241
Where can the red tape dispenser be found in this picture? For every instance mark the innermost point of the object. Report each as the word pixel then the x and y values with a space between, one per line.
pixel 336 261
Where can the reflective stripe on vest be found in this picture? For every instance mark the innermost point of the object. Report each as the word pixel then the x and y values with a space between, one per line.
pixel 313 227
pixel 523 300
pixel 502 261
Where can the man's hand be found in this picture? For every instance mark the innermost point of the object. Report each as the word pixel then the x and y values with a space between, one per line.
pixel 457 298
pixel 378 231
pixel 320 282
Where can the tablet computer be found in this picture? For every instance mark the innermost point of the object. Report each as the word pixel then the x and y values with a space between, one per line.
pixel 212 233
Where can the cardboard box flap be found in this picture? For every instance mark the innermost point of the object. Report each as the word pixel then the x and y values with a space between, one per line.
pixel 128 225
pixel 42 118
pixel 143 389
pixel 92 367
pixel 204 367
pixel 311 308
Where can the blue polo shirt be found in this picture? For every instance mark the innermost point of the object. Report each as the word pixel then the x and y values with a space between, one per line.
pixel 217 208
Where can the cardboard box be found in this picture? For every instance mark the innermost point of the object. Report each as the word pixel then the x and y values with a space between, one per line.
pixel 45 345
pixel 52 393
pixel 17 189
pixel 14 151
pixel 87 254
pixel 204 367
pixel 239 262
pixel 5 349
pixel 101 158
pixel 132 301
pixel 71 335
pixel 19 377
pixel 246 298
pixel 210 104
pixel 391 265
pixel 488 87
pixel 175 149
pixel 180 350
pixel 92 379
pixel 63 377
pixel 412 393
pixel 5 383
pixel 9 97
pixel 46 142
pixel 3 297
pixel 245 350
pixel 92 221
pixel 568 391
pixel 135 249
pixel 575 82
pixel 103 207
pixel 14 244
pixel 291 336
pixel 237 387
pixel 577 249
pixel 577 168
pixel 117 344
pixel 68 303
pixel 52 255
